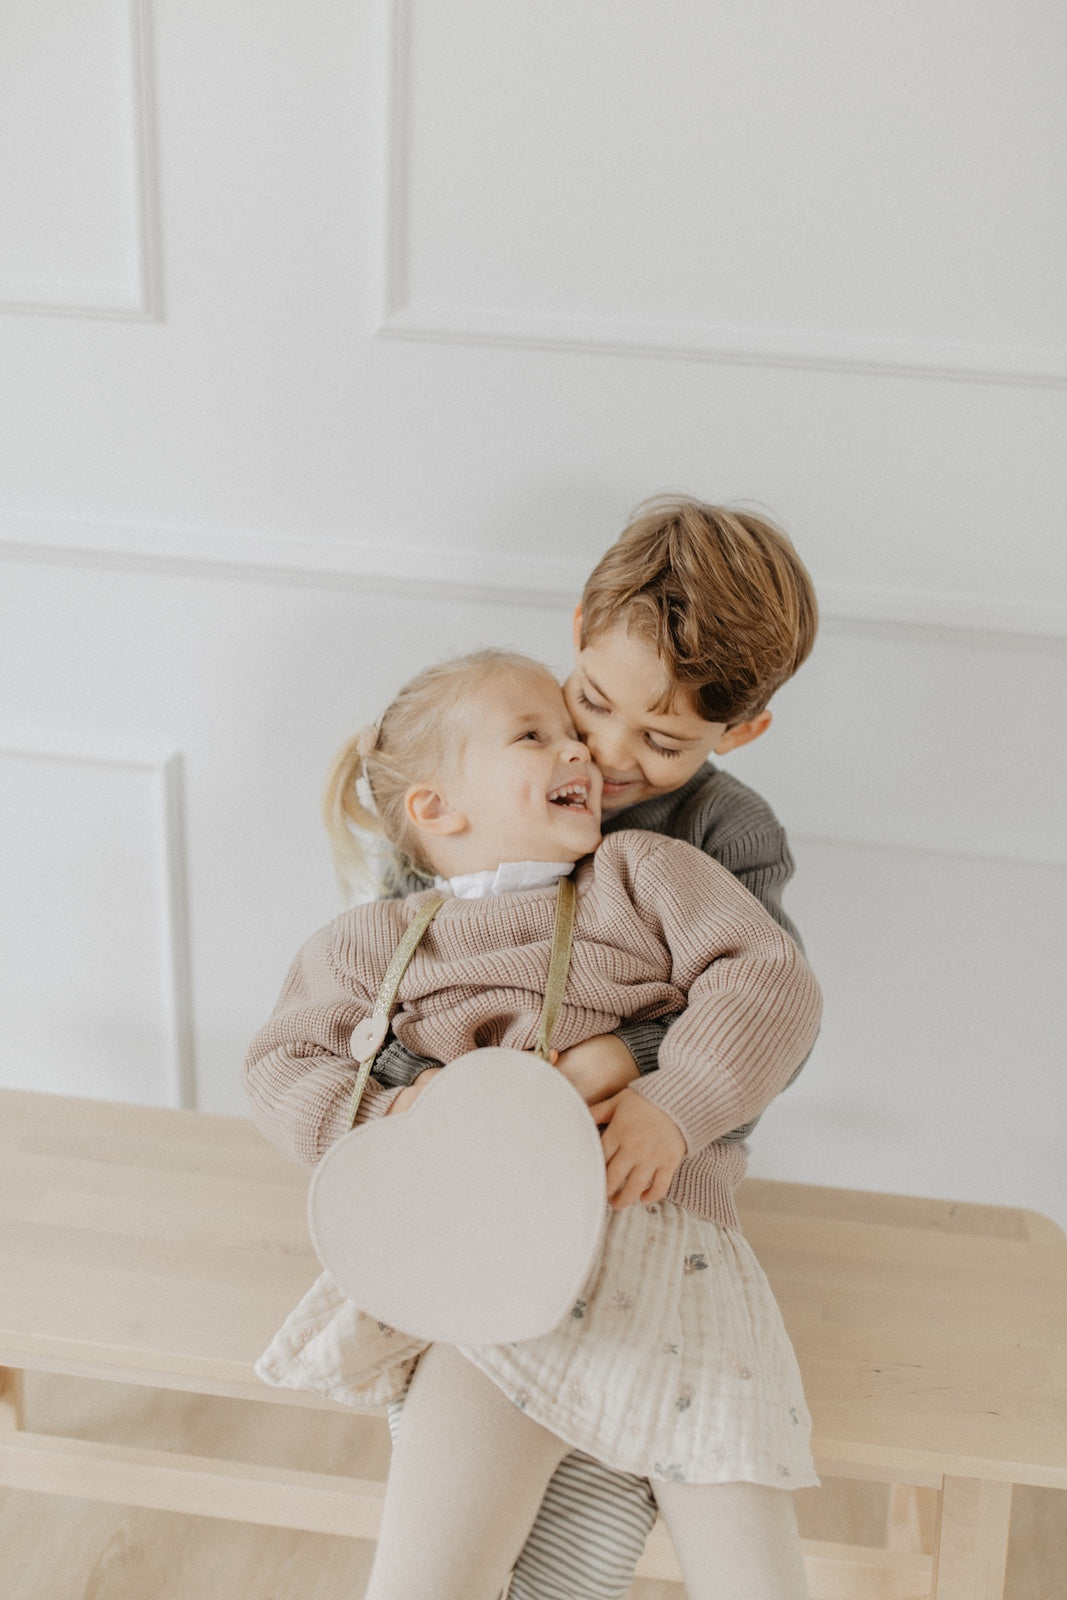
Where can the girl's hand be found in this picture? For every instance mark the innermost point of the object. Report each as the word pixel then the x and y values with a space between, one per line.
pixel 407 1097
pixel 643 1148
pixel 597 1067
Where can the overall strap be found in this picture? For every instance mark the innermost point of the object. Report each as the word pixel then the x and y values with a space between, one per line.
pixel 558 965
pixel 369 1035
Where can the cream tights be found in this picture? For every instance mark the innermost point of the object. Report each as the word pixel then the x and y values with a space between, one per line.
pixel 468 1474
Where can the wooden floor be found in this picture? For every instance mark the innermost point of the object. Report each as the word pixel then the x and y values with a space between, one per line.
pixel 56 1549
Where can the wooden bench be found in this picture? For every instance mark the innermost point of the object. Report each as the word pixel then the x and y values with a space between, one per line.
pixel 164 1247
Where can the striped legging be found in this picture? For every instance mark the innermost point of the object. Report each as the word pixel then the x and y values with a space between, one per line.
pixel 589 1532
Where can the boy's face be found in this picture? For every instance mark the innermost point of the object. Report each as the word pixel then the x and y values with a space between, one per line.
pixel 641 753
pixel 524 785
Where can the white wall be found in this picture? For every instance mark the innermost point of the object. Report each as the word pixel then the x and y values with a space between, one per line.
pixel 335 339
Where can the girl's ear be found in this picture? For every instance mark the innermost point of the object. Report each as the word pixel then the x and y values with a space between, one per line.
pixel 429 811
pixel 576 629
pixel 743 733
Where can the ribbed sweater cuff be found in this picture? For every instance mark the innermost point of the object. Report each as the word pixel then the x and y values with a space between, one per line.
pixel 397 1066
pixel 643 1040
pixel 707 1183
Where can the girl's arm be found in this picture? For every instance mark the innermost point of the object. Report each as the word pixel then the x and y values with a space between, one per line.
pixel 759 857
pixel 299 1072
pixel 740 831
pixel 753 1006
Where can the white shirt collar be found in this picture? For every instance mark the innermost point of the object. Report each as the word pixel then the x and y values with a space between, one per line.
pixel 510 875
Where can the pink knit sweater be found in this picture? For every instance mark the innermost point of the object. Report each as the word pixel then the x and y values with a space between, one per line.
pixel 660 926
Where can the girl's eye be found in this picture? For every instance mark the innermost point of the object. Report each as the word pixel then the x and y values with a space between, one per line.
pixel 589 705
pixel 660 749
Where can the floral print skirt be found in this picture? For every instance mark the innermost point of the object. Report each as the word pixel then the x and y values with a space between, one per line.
pixel 674 1362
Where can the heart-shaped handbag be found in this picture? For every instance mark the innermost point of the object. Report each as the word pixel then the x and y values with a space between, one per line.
pixel 477 1216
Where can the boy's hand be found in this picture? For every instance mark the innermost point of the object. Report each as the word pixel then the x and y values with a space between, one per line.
pixel 407 1097
pixel 643 1148
pixel 597 1067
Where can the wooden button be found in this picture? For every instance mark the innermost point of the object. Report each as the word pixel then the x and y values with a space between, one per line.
pixel 367 1036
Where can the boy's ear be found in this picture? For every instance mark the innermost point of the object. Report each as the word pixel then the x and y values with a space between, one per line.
pixel 743 733
pixel 576 629
pixel 429 811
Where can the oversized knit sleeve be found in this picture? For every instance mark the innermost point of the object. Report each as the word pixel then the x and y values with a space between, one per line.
pixel 753 1006
pixel 760 859
pixel 298 1072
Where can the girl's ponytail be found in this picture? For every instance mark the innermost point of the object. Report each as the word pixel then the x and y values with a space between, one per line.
pixel 346 816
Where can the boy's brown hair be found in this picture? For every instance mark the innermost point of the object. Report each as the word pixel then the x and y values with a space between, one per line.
pixel 720 594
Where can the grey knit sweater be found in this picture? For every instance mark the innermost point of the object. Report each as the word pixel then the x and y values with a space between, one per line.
pixel 659 928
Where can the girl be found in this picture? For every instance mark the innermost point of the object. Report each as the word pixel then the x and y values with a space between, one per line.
pixel 674 1363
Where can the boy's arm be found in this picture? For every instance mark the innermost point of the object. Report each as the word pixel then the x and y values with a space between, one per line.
pixel 643 1040
pixel 397 1067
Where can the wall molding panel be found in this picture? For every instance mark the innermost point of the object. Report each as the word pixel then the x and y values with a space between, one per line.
pixel 754 347
pixel 136 296
pixel 1024 849
pixel 404 317
pixel 165 900
pixel 465 574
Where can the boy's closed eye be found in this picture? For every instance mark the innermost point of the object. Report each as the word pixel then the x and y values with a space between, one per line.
pixel 605 711
pixel 591 705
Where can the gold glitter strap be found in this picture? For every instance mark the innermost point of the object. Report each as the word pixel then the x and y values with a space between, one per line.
pixel 558 965
pixel 369 1035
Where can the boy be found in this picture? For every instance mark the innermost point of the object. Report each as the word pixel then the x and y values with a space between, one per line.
pixel 686 627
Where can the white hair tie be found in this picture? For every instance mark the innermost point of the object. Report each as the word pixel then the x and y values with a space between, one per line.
pixel 367 740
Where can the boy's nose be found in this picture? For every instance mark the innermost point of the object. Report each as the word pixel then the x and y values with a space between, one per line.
pixel 575 750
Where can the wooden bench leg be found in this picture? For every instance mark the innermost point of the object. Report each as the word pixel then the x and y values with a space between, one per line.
pixel 971 1553
pixel 11 1413
pixel 911 1523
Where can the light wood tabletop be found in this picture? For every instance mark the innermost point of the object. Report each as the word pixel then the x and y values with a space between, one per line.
pixel 165 1247
pixel 932 1335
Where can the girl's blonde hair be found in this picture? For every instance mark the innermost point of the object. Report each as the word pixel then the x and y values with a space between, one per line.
pixel 418 735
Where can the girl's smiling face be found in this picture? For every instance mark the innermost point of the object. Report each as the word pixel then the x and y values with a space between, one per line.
pixel 520 787
pixel 641 753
